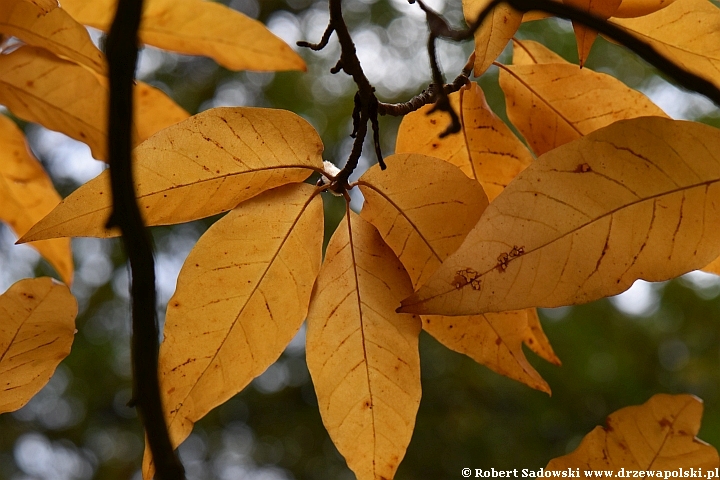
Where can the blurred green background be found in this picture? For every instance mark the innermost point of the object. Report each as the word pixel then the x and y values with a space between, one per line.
pixel 615 352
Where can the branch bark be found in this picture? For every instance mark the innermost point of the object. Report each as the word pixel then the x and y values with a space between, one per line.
pixel 122 53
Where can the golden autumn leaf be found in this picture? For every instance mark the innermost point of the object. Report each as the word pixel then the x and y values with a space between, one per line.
pixel 362 356
pixel 55 31
pixel 656 436
pixel 536 340
pixel 197 27
pixel 202 166
pixel 713 267
pixel 686 32
pixel 586 36
pixel 640 8
pixel 45 5
pixel 527 52
pixel 27 195
pixel 241 296
pixel 494 34
pixel 634 200
pixel 36 332
pixel 485 150
pixel 424 218
pixel 567 102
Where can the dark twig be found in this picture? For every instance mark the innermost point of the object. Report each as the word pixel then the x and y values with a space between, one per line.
pixel 322 43
pixel 122 52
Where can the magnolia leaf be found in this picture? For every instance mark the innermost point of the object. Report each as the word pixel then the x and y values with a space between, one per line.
pixel 44 5
pixel 241 296
pixel 36 332
pixel 585 36
pixel 424 218
pixel 686 32
pixel 527 52
pixel 640 8
pixel 55 31
pixel 196 27
pixel 494 34
pixel 567 102
pixel 202 166
pixel 486 150
pixel 536 340
pixel 657 436
pixel 27 195
pixel 362 356
pixel 634 200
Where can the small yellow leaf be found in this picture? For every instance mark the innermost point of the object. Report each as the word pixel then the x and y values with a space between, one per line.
pixel 494 34
pixel 686 32
pixel 485 149
pixel 45 5
pixel 36 332
pixel 567 102
pixel 241 296
pixel 202 166
pixel 585 36
pixel 362 356
pixel 657 436
pixel 640 8
pixel 55 31
pixel 197 27
pixel 27 195
pixel 536 340
pixel 424 217
pixel 633 200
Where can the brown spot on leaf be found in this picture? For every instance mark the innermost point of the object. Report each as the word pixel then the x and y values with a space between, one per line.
pixel 467 276
pixel 665 423
pixel 583 168
pixel 30 84
pixel 498 341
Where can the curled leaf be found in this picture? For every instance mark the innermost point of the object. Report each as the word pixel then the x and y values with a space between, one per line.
pixel 633 200
pixel 202 166
pixel 242 295
pixel 567 102
pixel 36 332
pixel 655 437
pixel 362 356
pixel 485 150
pixel 27 195
pixel 197 27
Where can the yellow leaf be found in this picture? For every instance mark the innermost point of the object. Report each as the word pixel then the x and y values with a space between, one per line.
pixel 424 218
pixel 713 267
pixel 567 102
pixel 656 436
pixel 241 296
pixel 633 200
pixel 202 166
pixel 362 356
pixel 640 8
pixel 45 5
pixel 55 31
pixel 37 330
pixel 536 340
pixel 486 149
pixel 197 27
pixel 527 52
pixel 585 36
pixel 27 195
pixel 494 34
pixel 686 32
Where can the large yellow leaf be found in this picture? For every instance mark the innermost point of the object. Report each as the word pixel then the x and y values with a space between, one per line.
pixel 494 34
pixel 241 296
pixel 64 96
pixel 687 32
pixel 362 356
pixel 204 165
pixel 637 199
pixel 55 31
pixel 424 218
pixel 586 36
pixel 36 332
pixel 27 195
pixel 197 27
pixel 485 149
pixel 657 436
pixel 566 102
pixel 640 8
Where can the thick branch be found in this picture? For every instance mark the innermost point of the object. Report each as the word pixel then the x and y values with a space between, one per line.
pixel 122 52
